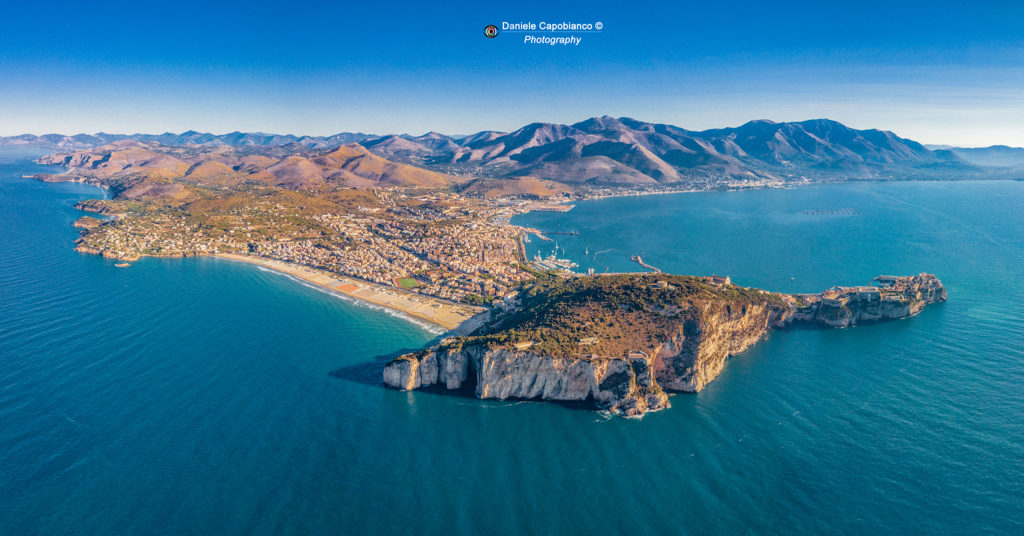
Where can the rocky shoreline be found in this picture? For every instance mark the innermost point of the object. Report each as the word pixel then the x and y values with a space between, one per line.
pixel 691 353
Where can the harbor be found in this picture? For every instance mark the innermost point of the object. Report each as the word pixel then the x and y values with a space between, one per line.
pixel 551 262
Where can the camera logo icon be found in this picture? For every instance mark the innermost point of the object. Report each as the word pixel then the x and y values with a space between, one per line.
pixel 491 31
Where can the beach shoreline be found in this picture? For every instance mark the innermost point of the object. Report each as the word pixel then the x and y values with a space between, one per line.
pixel 449 316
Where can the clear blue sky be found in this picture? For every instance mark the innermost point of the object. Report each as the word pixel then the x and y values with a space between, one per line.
pixel 938 72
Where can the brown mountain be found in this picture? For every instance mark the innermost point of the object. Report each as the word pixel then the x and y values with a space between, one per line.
pixel 124 157
pixel 353 165
pixel 517 186
pixel 623 151
pixel 129 166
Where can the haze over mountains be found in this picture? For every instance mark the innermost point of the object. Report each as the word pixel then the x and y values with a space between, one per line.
pixel 234 139
pixel 539 158
pixel 994 156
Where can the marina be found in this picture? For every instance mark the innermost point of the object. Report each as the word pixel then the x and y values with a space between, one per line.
pixel 553 263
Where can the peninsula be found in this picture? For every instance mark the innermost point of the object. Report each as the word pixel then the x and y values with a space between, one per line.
pixel 619 342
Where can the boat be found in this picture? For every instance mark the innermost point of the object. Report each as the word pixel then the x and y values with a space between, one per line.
pixel 122 265
pixel 552 262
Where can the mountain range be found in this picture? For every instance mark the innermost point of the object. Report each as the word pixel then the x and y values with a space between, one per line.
pixel 539 158
pixel 135 168
pixel 191 137
pixel 604 151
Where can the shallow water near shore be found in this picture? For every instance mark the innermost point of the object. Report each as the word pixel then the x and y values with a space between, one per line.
pixel 202 396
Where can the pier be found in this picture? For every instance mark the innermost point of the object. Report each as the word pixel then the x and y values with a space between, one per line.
pixel 537 233
pixel 639 260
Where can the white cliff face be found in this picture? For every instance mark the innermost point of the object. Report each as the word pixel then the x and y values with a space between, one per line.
pixel 619 384
pixel 505 374
pixel 696 354
pixel 423 369
pixel 403 373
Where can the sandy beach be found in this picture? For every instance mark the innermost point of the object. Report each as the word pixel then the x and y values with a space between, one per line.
pixel 448 315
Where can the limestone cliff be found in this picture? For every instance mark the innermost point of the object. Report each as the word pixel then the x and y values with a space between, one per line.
pixel 622 385
pixel 696 354
pixel 618 343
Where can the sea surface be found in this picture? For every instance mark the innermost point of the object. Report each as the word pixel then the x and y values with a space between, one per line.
pixel 200 396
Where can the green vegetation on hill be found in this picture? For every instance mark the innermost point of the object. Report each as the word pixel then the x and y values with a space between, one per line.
pixel 620 313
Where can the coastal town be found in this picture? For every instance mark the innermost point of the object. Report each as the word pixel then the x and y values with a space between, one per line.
pixel 435 244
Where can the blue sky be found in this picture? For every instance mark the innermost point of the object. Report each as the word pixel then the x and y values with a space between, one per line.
pixel 938 72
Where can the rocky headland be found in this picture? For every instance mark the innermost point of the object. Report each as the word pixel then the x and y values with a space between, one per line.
pixel 620 342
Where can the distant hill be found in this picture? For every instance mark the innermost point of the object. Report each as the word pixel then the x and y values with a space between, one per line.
pixel 233 139
pixel 994 156
pixel 597 152
pixel 133 167
pixel 607 151
pixel 517 186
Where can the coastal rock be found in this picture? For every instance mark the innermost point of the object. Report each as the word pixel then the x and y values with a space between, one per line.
pixel 896 297
pixel 404 373
pixel 87 223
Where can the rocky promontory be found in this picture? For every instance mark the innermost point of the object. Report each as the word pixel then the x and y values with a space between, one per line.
pixel 619 342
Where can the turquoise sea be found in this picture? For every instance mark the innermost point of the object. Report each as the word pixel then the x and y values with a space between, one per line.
pixel 200 396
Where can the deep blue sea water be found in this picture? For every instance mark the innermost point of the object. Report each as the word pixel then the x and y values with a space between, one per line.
pixel 196 396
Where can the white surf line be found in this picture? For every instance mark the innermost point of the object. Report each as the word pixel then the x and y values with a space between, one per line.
pixel 431 328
